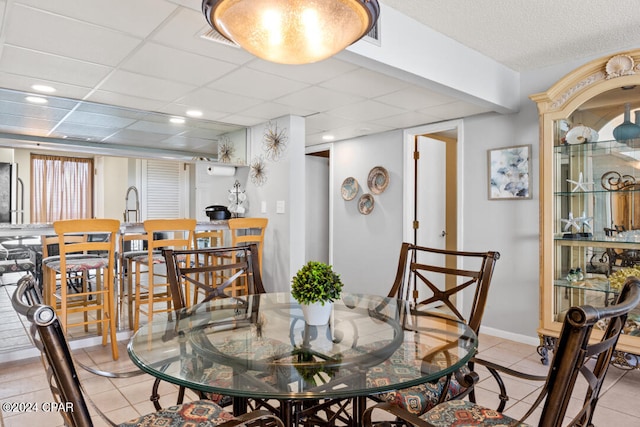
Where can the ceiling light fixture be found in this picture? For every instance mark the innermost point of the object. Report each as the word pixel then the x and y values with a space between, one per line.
pixel 194 113
pixel 177 120
pixel 292 32
pixel 36 99
pixel 43 88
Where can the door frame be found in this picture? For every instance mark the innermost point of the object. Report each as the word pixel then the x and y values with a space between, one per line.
pixel 314 149
pixel 409 171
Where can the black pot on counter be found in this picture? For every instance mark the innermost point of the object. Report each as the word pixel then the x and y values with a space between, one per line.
pixel 217 212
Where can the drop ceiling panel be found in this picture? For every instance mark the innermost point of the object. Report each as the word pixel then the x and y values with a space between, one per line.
pixel 111 98
pixel 215 100
pixel 318 99
pixel 308 73
pixel 53 68
pixel 271 110
pixel 364 83
pixel 323 122
pixel 84 131
pixel 175 65
pixel 102 120
pixel 133 84
pixel 407 120
pixel 139 17
pixel 183 32
pixel 415 98
pixel 197 144
pixel 367 110
pixel 256 84
pixel 24 83
pixel 59 36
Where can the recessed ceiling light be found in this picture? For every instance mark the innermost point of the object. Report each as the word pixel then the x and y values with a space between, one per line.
pixel 328 137
pixel 43 88
pixel 194 113
pixel 177 120
pixel 36 99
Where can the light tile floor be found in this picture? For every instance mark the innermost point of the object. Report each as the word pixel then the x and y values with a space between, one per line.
pixel 123 399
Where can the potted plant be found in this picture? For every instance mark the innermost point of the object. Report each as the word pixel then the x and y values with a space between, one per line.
pixel 315 286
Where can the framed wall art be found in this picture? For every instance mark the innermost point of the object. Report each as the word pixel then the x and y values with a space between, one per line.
pixel 509 172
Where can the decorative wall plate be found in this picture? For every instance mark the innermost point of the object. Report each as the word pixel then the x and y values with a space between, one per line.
pixel 365 204
pixel 350 188
pixel 378 180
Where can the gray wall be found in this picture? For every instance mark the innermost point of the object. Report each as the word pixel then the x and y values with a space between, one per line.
pixel 365 247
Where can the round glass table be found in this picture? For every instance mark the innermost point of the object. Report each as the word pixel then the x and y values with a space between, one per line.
pixel 259 347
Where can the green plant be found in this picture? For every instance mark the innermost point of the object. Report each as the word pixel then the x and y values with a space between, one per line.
pixel 316 282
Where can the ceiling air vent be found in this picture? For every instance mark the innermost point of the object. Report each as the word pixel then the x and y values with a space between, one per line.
pixel 373 36
pixel 213 35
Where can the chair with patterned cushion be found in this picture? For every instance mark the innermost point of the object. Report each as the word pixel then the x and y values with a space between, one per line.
pixel 580 350
pixel 49 337
pixel 433 280
pixel 240 265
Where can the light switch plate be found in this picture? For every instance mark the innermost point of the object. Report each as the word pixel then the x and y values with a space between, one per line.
pixel 263 207
pixel 280 206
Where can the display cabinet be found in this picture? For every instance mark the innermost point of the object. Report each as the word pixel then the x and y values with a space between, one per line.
pixel 590 194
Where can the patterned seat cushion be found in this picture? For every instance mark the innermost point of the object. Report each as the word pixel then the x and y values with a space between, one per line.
pixel 201 413
pixel 403 367
pixel 80 264
pixel 421 398
pixel 460 413
pixel 158 258
pixel 12 266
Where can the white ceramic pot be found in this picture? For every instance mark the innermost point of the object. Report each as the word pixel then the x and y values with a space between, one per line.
pixel 317 314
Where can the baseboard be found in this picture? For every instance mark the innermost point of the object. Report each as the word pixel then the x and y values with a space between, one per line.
pixel 524 339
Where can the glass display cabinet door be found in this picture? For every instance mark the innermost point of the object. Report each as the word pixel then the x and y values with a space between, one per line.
pixel 590 194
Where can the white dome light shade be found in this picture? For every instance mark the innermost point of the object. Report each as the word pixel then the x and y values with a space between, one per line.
pixel 292 31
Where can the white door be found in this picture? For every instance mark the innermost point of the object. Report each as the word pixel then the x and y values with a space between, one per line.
pixel 430 197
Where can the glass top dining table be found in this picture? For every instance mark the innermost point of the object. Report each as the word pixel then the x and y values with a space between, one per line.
pixel 260 347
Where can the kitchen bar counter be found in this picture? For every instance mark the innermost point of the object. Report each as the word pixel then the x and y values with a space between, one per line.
pixel 28 230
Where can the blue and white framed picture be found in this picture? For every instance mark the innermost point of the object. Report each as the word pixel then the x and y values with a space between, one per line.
pixel 509 173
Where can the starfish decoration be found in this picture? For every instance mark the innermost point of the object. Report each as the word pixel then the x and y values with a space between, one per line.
pixel 577 222
pixel 580 184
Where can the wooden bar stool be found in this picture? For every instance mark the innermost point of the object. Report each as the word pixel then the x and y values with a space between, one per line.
pixel 132 245
pixel 247 230
pixel 87 255
pixel 161 233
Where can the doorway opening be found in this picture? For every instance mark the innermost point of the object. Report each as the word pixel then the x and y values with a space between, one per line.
pixel 433 185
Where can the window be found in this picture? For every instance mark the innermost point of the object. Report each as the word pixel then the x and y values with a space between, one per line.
pixel 61 188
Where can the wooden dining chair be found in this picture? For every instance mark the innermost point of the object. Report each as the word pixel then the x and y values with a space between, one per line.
pixel 154 291
pixel 86 269
pixel 579 351
pixel 49 337
pixel 249 230
pixel 434 280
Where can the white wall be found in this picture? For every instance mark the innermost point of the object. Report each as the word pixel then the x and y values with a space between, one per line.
pixel 366 247
pixel 283 252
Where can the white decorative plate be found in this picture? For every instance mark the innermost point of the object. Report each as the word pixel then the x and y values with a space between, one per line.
pixel 378 180
pixel 350 188
pixel 365 204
